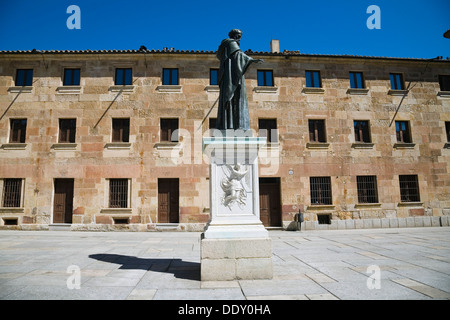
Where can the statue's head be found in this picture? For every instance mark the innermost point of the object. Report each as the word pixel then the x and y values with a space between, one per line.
pixel 235 34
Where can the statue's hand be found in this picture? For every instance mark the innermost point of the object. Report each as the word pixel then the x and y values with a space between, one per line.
pixel 259 60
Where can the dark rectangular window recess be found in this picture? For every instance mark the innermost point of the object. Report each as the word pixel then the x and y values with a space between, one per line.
pixel 10 221
pixel 324 218
pixel 121 220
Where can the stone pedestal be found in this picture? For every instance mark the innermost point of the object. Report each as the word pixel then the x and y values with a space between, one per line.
pixel 235 244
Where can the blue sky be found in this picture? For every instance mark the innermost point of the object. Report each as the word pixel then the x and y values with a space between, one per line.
pixel 410 28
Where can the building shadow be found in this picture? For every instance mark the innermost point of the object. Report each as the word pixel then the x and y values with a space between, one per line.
pixel 179 268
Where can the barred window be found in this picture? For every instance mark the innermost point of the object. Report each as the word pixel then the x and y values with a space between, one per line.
pixel 12 192
pixel 409 188
pixel 367 189
pixel 118 193
pixel 320 190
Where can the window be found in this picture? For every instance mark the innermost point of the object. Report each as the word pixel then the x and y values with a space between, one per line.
pixel 265 78
pixel 403 132
pixel 444 82
pixel 67 128
pixel 18 130
pixel 212 123
pixel 123 76
pixel 317 130
pixel 214 77
pixel 24 77
pixel 447 130
pixel 268 129
pixel 397 81
pixel 313 79
pixel 367 189
pixel 120 130
pixel 409 188
pixel 320 190
pixel 118 193
pixel 356 80
pixel 12 191
pixel 324 218
pixel 169 130
pixel 170 76
pixel 71 77
pixel 362 131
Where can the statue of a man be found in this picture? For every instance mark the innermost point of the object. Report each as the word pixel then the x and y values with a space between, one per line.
pixel 233 104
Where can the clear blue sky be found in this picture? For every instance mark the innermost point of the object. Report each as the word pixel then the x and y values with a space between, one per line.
pixel 412 28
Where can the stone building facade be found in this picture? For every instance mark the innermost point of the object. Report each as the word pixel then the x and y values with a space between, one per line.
pixel 105 140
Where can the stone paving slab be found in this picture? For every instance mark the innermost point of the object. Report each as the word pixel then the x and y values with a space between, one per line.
pixel 369 264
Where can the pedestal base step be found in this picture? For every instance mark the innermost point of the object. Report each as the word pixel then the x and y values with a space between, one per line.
pixel 236 259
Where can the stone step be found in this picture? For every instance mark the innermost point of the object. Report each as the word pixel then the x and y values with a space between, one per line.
pixel 167 226
pixel 59 227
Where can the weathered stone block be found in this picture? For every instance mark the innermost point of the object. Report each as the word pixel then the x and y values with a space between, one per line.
pixel 254 268
pixel 231 259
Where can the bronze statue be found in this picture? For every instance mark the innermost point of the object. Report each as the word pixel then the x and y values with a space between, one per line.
pixel 233 104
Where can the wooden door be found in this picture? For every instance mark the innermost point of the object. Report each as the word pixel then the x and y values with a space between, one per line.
pixel 63 202
pixel 270 202
pixel 168 200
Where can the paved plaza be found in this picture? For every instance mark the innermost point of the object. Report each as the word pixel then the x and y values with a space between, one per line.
pixel 403 263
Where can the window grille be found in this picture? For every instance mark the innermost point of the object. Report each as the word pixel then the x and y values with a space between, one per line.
pixel 12 190
pixel 409 188
pixel 320 190
pixel 367 189
pixel 118 193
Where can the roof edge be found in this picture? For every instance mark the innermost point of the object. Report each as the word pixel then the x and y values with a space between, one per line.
pixel 285 53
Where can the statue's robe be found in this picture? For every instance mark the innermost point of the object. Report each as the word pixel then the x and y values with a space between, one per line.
pixel 233 105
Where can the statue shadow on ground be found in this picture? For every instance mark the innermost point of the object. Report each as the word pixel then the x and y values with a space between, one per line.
pixel 180 269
